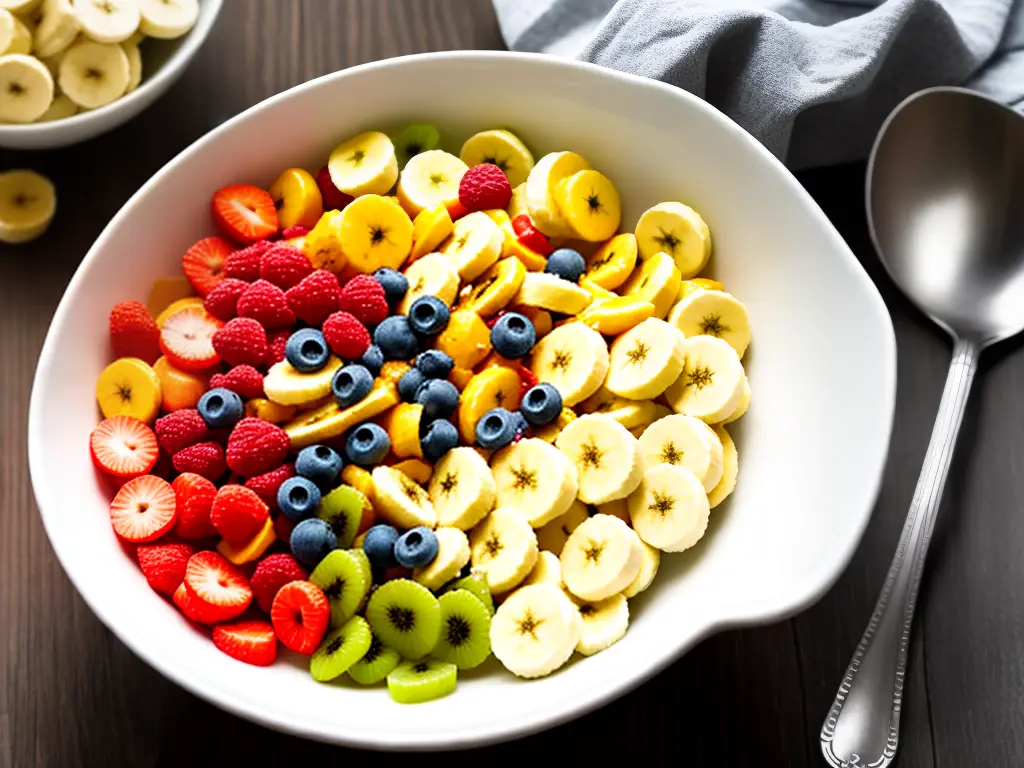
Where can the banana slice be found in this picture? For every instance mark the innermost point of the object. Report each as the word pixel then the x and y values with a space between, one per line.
pixel 428 179
pixel 59 108
pixel 616 315
pixel 629 413
pixel 670 508
pixel 612 264
pixel 27 205
pixel 475 245
pixel 713 313
pixel 617 508
pixel 600 559
pixel 552 536
pixel 573 358
pixel 598 295
pixel 535 479
pixel 329 421
pixel 452 556
pixel 134 55
pixel 374 233
pixel 744 404
pixel 607 458
pixel 107 21
pixel 548 570
pixel 15 37
pixel 604 623
pixel 20 7
pixel 496 287
pixel 590 204
pixel 731 468
pixel 167 19
pixel 285 385
pixel 400 500
pixel 58 27
pixel 550 292
pixel 517 205
pixel 656 281
pixel 504 547
pixel 501 148
pixel 677 230
pixel 539 193
pixel 535 631
pixel 26 86
pixel 711 384
pixel 648 568
pixel 430 228
pixel 433 275
pixel 684 441
pixel 364 165
pixel 550 432
pixel 645 360
pixel 94 74
pixel 462 489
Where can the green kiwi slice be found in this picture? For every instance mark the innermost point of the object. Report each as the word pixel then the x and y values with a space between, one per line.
pixel 342 509
pixel 413 682
pixel 465 639
pixel 406 616
pixel 340 649
pixel 345 582
pixel 476 584
pixel 413 139
pixel 376 664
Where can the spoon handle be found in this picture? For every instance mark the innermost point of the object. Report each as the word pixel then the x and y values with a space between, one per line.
pixel 862 727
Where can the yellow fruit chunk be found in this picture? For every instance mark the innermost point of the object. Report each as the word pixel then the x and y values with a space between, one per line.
pixel 612 264
pixel 179 389
pixel 460 377
pixel 393 371
pixel 402 423
pixel 250 550
pixel 330 421
pixel 467 339
pixel 590 203
pixel 494 387
pixel 430 228
pixel 541 319
pixel 417 469
pixel 696 284
pixel 165 291
pixel 503 220
pixel 360 479
pixel 496 287
pixel 175 307
pixel 375 233
pixel 430 178
pixel 657 281
pixel 28 201
pixel 270 411
pixel 433 275
pixel 494 359
pixel 549 432
pixel 532 260
pixel 322 245
pixel 617 315
pixel 598 293
pixel 517 205
pixel 364 165
pixel 297 198
pixel 129 387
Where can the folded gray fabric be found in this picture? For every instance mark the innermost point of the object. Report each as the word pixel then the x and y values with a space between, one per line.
pixel 811 79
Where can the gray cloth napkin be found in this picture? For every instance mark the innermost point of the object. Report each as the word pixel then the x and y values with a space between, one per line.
pixel 811 79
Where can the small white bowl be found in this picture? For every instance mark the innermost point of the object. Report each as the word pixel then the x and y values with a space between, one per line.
pixel 163 62
pixel 812 446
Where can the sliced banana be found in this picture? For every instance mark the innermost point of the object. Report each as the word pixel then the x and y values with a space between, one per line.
pixel 21 7
pixel 428 179
pixel 60 108
pixel 539 193
pixel 517 205
pixel 495 288
pixel 730 471
pixel 713 313
pixel 57 29
pixel 600 559
pixel 94 74
pixel 535 479
pixel 108 21
pixel 744 403
pixel 616 508
pixel 552 536
pixel 550 292
pixel 285 385
pixel 548 570
pixel 167 19
pixel 535 631
pixel 657 280
pixel 677 230
pixel 612 264
pixel 670 508
pixel 134 65
pixel 475 245
pixel 452 556
pixel 504 547
pixel 400 500
pixel 629 413
pixel 27 205
pixel 432 275
pixel 26 86
pixel 501 148
pixel 15 37
pixel 574 359
pixel 590 204
pixel 711 384
pixel 606 456
pixel 604 623
pixel 645 360
pixel 462 488
pixel 648 568
pixel 364 165
pixel 684 441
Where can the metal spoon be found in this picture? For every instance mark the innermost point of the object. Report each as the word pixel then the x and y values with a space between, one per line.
pixel 945 199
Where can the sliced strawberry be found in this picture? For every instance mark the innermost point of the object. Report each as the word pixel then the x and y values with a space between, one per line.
pixel 300 613
pixel 123 447
pixel 195 500
pixel 253 642
pixel 187 339
pixel 203 263
pixel 244 213
pixel 220 588
pixel 144 509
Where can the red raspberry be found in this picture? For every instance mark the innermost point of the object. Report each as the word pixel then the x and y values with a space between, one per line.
pixel 244 264
pixel 346 336
pixel 296 231
pixel 238 513
pixel 315 297
pixel 284 266
pixel 195 497
pixel 272 573
pixel 163 565
pixel 276 342
pixel 133 331
pixel 244 380
pixel 484 187
pixel 264 302
pixel 206 459
pixel 180 429
pixel 365 299
pixel 334 198
pixel 241 341
pixel 222 301
pixel 266 485
pixel 530 236
pixel 256 446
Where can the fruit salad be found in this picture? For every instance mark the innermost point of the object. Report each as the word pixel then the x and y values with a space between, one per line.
pixel 417 409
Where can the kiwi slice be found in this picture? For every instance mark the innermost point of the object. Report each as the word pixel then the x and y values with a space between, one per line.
pixel 345 582
pixel 476 584
pixel 342 509
pixel 406 616
pixel 364 563
pixel 413 682
pixel 413 139
pixel 340 649
pixel 465 630
pixel 376 664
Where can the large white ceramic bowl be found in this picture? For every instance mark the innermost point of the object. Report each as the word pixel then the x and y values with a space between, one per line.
pixel 812 447
pixel 163 62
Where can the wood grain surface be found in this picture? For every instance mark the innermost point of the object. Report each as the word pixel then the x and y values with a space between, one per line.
pixel 72 695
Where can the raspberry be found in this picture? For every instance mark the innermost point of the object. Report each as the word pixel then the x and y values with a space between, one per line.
pixel 295 231
pixel 283 527
pixel 163 565
pixel 243 380
pixel 365 299
pixel 334 198
pixel 276 343
pixel 266 485
pixel 272 573
pixel 195 497
pixel 264 302
pixel 180 429
pixel 346 336
pixel 133 331
pixel 284 266
pixel 241 341
pixel 256 446
pixel 238 513
pixel 221 302
pixel 315 297
pixel 530 236
pixel 206 459
pixel 484 187
pixel 244 264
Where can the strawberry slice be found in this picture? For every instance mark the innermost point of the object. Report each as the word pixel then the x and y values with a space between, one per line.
pixel 253 642
pixel 123 447
pixel 300 613
pixel 244 213
pixel 187 339
pixel 144 509
pixel 221 591
pixel 203 263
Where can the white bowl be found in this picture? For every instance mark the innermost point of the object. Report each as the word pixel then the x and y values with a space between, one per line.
pixel 812 447
pixel 163 62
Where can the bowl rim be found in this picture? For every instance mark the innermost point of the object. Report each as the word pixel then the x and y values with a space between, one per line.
pixel 817 583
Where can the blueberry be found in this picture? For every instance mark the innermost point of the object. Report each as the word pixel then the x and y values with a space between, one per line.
pixel 410 382
pixel 320 463
pixel 541 404
pixel 379 546
pixel 307 350
pixel 567 264
pixel 416 547
pixel 394 284
pixel 428 315
pixel 395 338
pixel 220 408
pixel 434 364
pixel 513 335
pixel 298 498
pixel 439 398
pixel 373 359
pixel 438 438
pixel 496 428
pixel 368 444
pixel 351 384
pixel 312 540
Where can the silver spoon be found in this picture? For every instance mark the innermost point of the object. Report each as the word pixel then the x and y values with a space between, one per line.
pixel 945 199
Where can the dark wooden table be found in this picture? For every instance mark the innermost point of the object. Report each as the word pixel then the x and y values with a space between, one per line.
pixel 71 694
